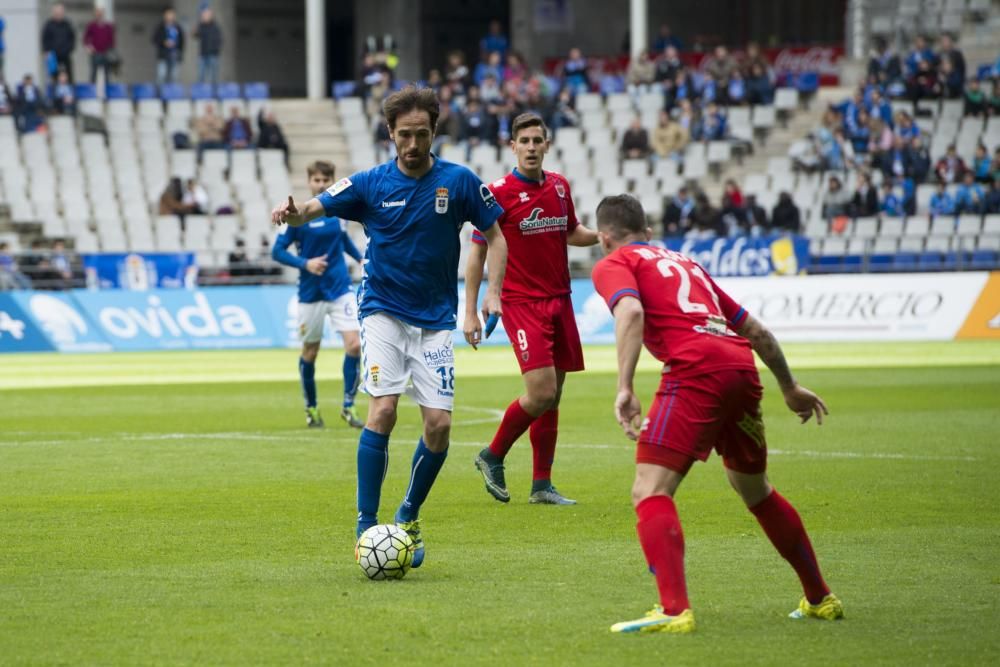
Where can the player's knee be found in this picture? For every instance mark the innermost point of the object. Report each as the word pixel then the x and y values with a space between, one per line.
pixel 309 352
pixel 752 489
pixel 352 348
pixel 437 430
pixel 542 397
pixel 381 417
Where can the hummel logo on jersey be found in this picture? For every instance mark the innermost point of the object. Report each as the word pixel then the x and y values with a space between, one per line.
pixel 535 224
pixel 393 204
pixel 523 196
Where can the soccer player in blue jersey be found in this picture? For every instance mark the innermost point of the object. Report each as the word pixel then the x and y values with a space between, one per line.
pixel 324 291
pixel 412 208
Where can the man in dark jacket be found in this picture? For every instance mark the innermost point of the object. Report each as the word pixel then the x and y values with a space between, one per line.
pixel 785 217
pixel 169 41
pixel 59 39
pixel 270 134
pixel 209 37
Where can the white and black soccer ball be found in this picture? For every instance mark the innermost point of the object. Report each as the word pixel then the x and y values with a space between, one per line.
pixel 384 552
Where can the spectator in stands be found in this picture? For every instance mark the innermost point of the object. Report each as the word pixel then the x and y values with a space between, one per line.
pixel 61 263
pixel 941 202
pixel 59 40
pixel 906 129
pixel 575 72
pixel 891 204
pixel 981 165
pixel 920 52
pixel 641 72
pixel 836 199
pixel 893 161
pixel 925 84
pixel 720 66
pixel 514 69
pixel 785 217
pixel 993 197
pixel 99 40
pixel 29 105
pixel 917 160
pixel 10 275
pixel 238 133
pixel 172 200
pixel 677 215
pixel 688 119
pixel 492 65
pixel 239 263
pixel 970 197
pixel 63 97
pixel 880 141
pixel 995 167
pixel 950 168
pixel 949 85
pixel 385 148
pixel 477 126
pixel 209 36
pixel 755 216
pixel 209 129
pixel 860 132
pixel 994 99
pixel 195 198
pixel 635 141
pixel 373 74
pixel 495 41
pixel 456 72
pixel 713 123
pixel 449 124
pixel 269 133
pixel 753 57
pixel 735 91
pixel 865 200
pixel 667 66
pixel 733 209
pixel 669 138
pixel 884 65
pixel 975 99
pixel 6 98
pixel 169 41
pixel 706 222
pixel 564 113
pixel 951 55
pixel 759 88
pixel 490 91
pixel 680 90
pixel 666 38
pixel 879 107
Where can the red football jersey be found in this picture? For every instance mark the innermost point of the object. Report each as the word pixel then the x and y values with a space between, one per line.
pixel 536 219
pixel 688 319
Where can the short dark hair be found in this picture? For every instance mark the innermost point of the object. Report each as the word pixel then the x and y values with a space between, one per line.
pixel 620 216
pixel 320 167
pixel 409 99
pixel 526 120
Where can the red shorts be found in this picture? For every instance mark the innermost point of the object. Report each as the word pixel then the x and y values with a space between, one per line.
pixel 691 417
pixel 543 333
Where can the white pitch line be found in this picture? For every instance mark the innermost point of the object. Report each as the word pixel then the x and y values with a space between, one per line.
pixel 299 436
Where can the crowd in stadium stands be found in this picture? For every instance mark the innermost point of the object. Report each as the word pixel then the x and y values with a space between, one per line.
pixel 40 267
pixel 862 135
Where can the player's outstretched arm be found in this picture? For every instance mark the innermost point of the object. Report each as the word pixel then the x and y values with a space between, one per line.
pixel 496 260
pixel 473 328
pixel 799 400
pixel 296 215
pixel 582 236
pixel 629 318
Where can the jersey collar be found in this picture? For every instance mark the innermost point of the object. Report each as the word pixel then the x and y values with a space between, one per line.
pixel 518 175
pixel 639 243
pixel 434 167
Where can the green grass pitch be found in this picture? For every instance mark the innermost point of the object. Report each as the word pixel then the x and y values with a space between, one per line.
pixel 171 508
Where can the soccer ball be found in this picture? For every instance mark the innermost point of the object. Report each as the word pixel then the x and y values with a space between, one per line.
pixel 384 552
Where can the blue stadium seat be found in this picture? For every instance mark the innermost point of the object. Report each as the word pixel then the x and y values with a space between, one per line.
pixel 949 261
pixel 229 91
pixel 984 72
pixel 116 91
pixel 612 83
pixel 343 89
pixel 257 90
pixel 930 260
pixel 827 264
pixel 880 263
pixel 807 82
pixel 144 91
pixel 202 91
pixel 85 91
pixel 983 259
pixel 905 261
pixel 852 264
pixel 173 91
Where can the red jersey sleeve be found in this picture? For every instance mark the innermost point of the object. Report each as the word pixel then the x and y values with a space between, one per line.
pixel 477 237
pixel 735 314
pixel 614 280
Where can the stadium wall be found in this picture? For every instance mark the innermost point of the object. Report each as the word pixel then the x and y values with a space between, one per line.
pixel 938 306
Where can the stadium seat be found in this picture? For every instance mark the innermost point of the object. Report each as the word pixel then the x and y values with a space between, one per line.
pixel 905 261
pixel 229 91
pixel 589 102
pixel 865 228
pixel 85 91
pixel 983 259
pixel 116 91
pixel 929 261
pixel 991 225
pixel 202 91
pixel 916 225
pixel 968 225
pixel 342 89
pixel 173 91
pixel 256 90
pixel 144 91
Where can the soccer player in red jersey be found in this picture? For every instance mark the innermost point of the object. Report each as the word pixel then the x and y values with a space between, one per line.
pixel 709 398
pixel 539 220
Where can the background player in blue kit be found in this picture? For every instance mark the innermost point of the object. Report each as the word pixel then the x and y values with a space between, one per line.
pixel 413 208
pixel 324 291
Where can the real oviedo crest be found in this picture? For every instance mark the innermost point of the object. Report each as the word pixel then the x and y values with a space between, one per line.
pixel 441 200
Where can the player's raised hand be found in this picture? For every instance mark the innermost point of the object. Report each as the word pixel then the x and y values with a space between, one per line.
pixel 287 212
pixel 316 265
pixel 472 328
pixel 628 412
pixel 804 403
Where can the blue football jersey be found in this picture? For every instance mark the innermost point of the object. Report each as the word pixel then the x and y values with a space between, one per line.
pixel 411 264
pixel 323 237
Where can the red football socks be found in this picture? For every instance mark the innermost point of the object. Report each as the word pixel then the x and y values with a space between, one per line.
pixel 544 431
pixel 782 525
pixel 662 541
pixel 515 422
